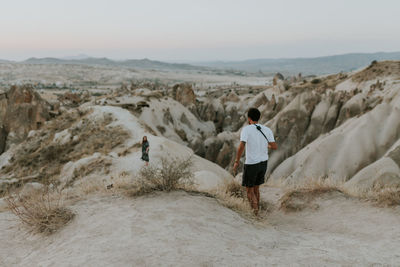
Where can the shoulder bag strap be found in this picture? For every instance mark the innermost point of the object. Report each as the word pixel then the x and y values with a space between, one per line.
pixel 259 128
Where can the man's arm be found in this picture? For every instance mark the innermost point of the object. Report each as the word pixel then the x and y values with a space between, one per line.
pixel 272 145
pixel 238 155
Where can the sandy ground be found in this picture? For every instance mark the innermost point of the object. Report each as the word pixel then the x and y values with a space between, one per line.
pixel 178 229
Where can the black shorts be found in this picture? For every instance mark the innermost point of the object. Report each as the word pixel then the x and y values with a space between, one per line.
pixel 254 174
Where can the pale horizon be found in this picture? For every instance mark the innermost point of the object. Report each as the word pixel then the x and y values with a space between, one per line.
pixel 179 31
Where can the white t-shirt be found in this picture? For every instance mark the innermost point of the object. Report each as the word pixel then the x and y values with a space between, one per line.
pixel 256 144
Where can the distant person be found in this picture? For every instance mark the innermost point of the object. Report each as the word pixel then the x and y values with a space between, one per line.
pixel 145 150
pixel 257 139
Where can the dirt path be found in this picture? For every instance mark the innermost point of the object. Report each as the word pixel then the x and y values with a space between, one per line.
pixel 179 229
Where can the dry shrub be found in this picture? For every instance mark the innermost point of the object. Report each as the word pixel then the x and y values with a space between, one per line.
pixel 235 189
pixel 42 211
pixel 173 174
pixel 315 81
pixel 301 197
pixel 234 196
pixel 386 197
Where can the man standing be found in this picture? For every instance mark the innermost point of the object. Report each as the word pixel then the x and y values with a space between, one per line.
pixel 257 139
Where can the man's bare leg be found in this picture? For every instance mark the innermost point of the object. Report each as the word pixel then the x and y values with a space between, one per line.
pixel 257 193
pixel 252 199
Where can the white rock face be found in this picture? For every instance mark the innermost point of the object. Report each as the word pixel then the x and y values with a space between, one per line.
pixel 348 85
pixel 382 172
pixel 205 180
pixel 346 150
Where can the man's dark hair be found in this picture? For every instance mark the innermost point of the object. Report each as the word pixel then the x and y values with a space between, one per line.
pixel 254 114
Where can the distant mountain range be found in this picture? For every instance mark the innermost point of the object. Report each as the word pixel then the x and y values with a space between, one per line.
pixel 289 66
pixel 133 63
pixel 318 65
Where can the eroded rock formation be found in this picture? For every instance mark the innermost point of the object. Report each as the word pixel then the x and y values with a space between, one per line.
pixel 184 94
pixel 22 110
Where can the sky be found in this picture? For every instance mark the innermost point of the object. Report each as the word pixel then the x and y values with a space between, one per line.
pixel 201 30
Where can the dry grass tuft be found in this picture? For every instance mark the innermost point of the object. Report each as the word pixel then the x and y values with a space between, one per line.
pixel 42 211
pixel 173 174
pixel 233 196
pixel 235 189
pixel 385 197
pixel 239 205
pixel 301 197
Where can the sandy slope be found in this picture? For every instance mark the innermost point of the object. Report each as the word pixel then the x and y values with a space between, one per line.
pixel 179 229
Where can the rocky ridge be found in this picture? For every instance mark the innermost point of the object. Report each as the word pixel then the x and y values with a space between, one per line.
pixel 343 127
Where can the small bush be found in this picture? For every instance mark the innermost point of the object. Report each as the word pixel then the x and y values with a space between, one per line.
pixel 97 94
pixel 42 211
pixel 173 174
pixel 315 81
